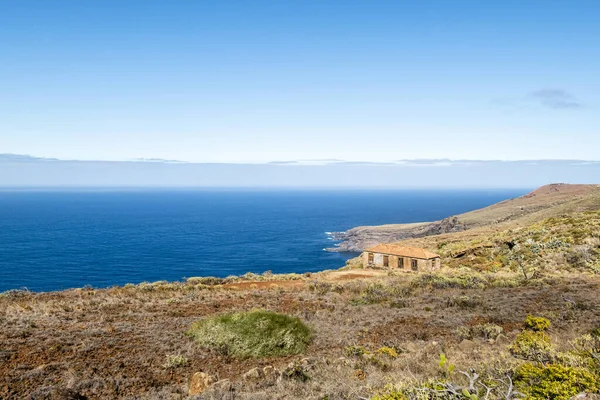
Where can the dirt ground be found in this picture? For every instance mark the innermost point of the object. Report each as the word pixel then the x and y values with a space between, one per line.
pixel 114 343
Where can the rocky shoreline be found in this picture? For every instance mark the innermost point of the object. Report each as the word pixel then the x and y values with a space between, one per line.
pixel 359 238
pixel 546 201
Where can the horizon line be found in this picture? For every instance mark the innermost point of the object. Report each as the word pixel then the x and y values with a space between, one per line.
pixel 298 162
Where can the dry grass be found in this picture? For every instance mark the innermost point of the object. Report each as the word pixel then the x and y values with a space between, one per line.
pixel 113 343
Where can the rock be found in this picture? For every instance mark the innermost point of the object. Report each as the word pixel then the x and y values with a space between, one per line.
pixel 467 345
pixel 271 374
pixel 585 396
pixel 309 361
pixel 254 374
pixel 296 370
pixel 502 340
pixel 199 382
pixel 268 375
pixel 224 385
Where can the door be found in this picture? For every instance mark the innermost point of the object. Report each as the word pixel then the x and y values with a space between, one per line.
pixel 386 261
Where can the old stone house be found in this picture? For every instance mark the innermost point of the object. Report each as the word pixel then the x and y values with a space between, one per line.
pixel 395 256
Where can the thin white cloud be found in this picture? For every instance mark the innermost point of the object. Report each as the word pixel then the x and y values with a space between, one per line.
pixel 555 98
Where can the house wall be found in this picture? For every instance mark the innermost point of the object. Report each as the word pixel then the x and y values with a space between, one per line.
pixel 422 265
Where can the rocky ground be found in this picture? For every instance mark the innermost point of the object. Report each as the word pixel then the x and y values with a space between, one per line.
pixel 131 343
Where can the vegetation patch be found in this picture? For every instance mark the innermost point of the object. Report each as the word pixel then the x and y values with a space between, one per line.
pixel 253 334
pixel 464 301
pixel 392 395
pixel 555 381
pixel 530 345
pixel 485 331
pixel 443 281
pixel 175 361
pixel 537 324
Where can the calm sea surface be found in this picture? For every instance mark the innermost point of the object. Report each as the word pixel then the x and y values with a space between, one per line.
pixel 52 240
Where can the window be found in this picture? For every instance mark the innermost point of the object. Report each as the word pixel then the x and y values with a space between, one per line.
pixel 371 257
pixel 400 262
pixel 414 265
pixel 386 261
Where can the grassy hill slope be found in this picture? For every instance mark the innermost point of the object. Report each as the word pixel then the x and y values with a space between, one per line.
pixel 547 201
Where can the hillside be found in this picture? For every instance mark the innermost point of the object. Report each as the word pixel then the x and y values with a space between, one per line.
pixel 547 201
pixel 372 336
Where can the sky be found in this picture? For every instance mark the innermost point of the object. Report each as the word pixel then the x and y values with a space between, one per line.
pixel 258 81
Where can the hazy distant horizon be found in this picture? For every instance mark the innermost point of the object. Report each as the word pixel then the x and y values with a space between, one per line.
pixel 21 171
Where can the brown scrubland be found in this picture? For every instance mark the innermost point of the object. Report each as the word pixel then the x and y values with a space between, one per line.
pixel 514 313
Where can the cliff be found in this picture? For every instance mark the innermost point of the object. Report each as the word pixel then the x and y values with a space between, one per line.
pixel 547 201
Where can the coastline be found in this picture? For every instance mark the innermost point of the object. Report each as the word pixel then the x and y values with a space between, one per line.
pixel 546 201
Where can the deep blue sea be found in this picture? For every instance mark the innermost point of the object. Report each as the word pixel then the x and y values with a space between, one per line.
pixel 52 240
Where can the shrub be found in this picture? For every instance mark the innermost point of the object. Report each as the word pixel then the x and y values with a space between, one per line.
pixel 534 346
pixel 537 324
pixel 400 302
pixel 320 287
pixel 15 293
pixel 555 381
pixel 375 293
pixel 255 334
pixel 486 331
pixel 174 361
pixel 393 395
pixel 463 301
pixel 579 256
pixel 355 351
pixel 461 281
pixel 388 351
pixel 206 280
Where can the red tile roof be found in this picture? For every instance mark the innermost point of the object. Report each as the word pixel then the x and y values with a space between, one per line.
pixel 403 251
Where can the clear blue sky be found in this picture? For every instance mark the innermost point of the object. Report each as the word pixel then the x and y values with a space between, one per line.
pixel 234 81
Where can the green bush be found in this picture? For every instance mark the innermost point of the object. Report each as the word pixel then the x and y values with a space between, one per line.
pixel 388 351
pixel 355 351
pixel 534 346
pixel 393 395
pixel 555 381
pixel 255 334
pixel 537 324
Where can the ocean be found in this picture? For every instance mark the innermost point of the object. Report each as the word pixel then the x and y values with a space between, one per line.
pixel 59 239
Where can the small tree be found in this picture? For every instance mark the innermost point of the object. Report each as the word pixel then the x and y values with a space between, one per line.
pixel 521 258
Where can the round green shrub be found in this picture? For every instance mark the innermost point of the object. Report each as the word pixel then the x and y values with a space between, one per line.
pixel 537 324
pixel 534 346
pixel 253 334
pixel 555 381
